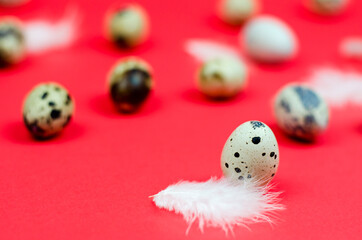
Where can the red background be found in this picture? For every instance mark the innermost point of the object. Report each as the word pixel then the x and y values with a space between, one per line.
pixel 93 181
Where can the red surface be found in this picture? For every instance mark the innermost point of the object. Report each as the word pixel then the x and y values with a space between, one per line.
pixel 93 181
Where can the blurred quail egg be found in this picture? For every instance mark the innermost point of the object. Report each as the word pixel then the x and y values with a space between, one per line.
pixel 300 112
pixel 236 12
pixel 268 39
pixel 130 83
pixel 48 108
pixel 222 77
pixel 327 7
pixel 127 26
pixel 12 41
pixel 12 3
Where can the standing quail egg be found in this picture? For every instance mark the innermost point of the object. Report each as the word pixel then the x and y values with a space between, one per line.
pixel 127 26
pixel 300 112
pixel 222 77
pixel 251 153
pixel 268 39
pixel 12 41
pixel 48 108
pixel 130 83
pixel 327 7
pixel 236 12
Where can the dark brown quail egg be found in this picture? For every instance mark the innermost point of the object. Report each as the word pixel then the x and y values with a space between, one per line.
pixel 130 83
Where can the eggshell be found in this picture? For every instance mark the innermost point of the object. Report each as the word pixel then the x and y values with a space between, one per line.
pixel 222 77
pixel 327 7
pixel 251 153
pixel 301 112
pixel 47 110
pixel 127 25
pixel 130 83
pixel 12 41
pixel 236 12
pixel 268 39
pixel 12 3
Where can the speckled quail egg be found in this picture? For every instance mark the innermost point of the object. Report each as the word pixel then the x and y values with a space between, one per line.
pixel 127 26
pixel 236 12
pixel 222 77
pixel 130 83
pixel 12 41
pixel 301 112
pixel 48 108
pixel 268 39
pixel 251 153
pixel 327 7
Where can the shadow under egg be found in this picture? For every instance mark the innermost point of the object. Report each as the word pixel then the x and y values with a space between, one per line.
pixel 16 132
pixel 105 46
pixel 102 104
pixel 195 96
pixel 287 140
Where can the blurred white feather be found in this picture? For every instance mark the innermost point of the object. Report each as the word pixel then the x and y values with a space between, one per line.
pixel 219 203
pixel 204 50
pixel 351 47
pixel 336 86
pixel 42 35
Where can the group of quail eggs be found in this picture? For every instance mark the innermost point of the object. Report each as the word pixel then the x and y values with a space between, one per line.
pixel 251 151
pixel 299 111
pixel 49 107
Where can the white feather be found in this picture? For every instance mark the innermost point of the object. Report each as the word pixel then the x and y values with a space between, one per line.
pixel 219 203
pixel 351 47
pixel 338 87
pixel 43 35
pixel 204 50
